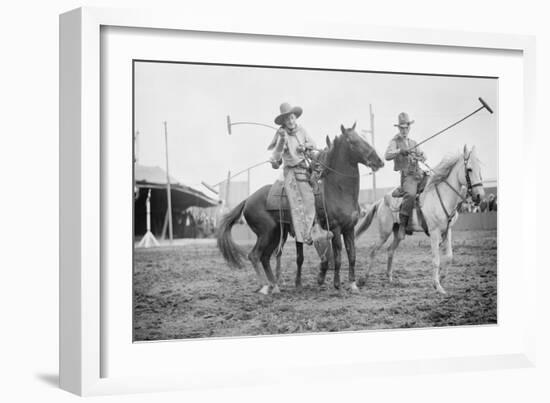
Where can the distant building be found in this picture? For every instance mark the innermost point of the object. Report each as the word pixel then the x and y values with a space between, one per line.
pixel 184 221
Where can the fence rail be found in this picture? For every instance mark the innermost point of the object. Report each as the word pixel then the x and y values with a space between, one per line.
pixel 476 221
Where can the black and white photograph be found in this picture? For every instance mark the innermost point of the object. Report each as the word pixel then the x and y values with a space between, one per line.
pixel 271 200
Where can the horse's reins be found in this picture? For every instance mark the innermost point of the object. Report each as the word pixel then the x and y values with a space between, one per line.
pixel 308 161
pixel 470 189
pixel 325 166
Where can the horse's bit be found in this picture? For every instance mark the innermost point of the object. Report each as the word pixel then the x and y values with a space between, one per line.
pixel 467 171
pixel 469 193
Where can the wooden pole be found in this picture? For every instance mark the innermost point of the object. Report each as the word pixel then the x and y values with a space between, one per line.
pixel 136 147
pixel 164 226
pixel 136 154
pixel 248 181
pixel 168 188
pixel 372 139
pixel 227 185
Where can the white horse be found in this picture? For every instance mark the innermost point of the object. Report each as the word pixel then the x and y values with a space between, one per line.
pixel 439 202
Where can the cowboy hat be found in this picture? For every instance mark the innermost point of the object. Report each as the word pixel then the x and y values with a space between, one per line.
pixel 286 109
pixel 403 120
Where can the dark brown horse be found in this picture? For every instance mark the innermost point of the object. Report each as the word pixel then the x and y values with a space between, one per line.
pixel 341 192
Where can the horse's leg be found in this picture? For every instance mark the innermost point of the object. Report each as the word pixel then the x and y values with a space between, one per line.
pixel 299 262
pixel 337 248
pixel 325 262
pixel 323 268
pixel 448 247
pixel 435 237
pixel 391 251
pixel 278 258
pixel 349 242
pixel 382 238
pixel 254 256
pixel 265 259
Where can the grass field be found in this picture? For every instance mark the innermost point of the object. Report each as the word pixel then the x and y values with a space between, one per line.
pixel 188 291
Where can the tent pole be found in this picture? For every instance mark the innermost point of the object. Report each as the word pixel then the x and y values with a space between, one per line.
pixel 168 189
pixel 164 226
pixel 148 239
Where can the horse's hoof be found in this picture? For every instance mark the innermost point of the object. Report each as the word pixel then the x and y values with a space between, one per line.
pixel 320 280
pixel 439 289
pixel 276 290
pixel 337 285
pixel 390 279
pixel 264 290
pixel 353 287
pixel 298 286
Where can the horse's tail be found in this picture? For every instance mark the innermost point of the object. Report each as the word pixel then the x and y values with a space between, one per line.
pixel 232 253
pixel 364 225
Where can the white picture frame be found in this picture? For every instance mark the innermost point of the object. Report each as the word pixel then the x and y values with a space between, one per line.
pixel 82 343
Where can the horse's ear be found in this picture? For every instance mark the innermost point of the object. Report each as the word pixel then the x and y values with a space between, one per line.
pixel 328 141
pixel 465 150
pixel 343 129
pixel 354 124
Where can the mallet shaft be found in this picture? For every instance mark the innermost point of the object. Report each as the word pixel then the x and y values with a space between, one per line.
pixel 448 127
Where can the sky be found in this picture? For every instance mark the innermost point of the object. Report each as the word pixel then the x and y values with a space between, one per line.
pixel 195 100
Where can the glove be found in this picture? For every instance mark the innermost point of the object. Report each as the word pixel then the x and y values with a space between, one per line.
pixel 281 132
pixel 276 164
pixel 404 152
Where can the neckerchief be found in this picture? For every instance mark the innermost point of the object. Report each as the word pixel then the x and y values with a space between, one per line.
pixel 291 132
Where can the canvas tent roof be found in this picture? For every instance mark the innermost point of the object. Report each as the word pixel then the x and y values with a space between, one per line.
pixel 183 196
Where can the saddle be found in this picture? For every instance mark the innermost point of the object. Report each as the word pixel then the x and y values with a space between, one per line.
pixel 278 201
pixel 394 200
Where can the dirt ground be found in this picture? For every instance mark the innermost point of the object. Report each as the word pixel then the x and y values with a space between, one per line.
pixel 188 291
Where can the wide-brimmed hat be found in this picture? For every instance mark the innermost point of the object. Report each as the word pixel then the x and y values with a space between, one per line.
pixel 403 120
pixel 286 109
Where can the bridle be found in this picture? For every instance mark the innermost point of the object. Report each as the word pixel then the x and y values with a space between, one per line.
pixel 326 167
pixel 467 171
pixel 469 185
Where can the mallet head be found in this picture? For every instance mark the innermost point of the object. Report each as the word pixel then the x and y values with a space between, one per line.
pixel 485 105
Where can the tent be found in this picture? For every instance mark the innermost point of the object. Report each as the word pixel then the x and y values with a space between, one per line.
pixel 183 197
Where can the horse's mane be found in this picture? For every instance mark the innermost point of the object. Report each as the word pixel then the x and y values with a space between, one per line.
pixel 332 150
pixel 442 170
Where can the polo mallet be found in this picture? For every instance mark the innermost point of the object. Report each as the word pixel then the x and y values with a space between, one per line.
pixel 484 106
pixel 230 123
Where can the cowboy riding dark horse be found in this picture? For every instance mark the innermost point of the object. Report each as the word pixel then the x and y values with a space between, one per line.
pixel 293 147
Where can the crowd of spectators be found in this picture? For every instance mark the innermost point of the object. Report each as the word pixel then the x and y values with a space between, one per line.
pixel 486 205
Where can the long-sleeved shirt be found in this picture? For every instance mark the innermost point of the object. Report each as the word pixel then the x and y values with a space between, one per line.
pixel 401 162
pixel 287 147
